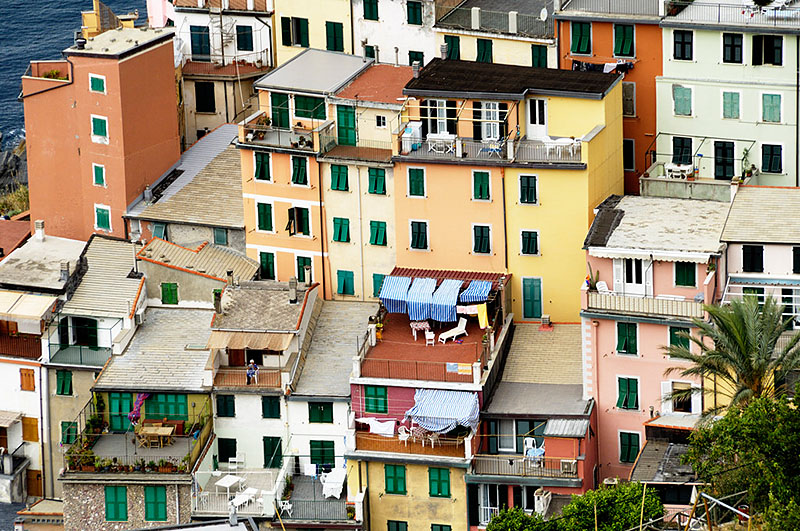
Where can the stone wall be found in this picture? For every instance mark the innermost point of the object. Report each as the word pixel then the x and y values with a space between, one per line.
pixel 84 507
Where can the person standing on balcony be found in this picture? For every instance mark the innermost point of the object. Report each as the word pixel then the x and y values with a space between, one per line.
pixel 252 370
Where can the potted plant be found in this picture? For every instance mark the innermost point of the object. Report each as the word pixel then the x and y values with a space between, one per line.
pixel 163 466
pixel 151 466
pixel 351 512
pixel 288 488
pixel 138 466
pixel 87 461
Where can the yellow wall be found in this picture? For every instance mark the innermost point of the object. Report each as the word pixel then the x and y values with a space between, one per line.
pixel 194 414
pixel 317 14
pixel 508 51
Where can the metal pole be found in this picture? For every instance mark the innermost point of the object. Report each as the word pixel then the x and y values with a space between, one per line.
pixel 641 514
pixel 691 514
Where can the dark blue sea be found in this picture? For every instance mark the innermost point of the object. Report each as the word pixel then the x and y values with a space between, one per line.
pixel 33 30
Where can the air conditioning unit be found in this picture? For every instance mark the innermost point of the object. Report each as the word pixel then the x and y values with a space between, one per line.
pixel 138 318
pixel 611 481
pixel 569 466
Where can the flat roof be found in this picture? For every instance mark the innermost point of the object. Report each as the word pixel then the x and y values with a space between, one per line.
pixel 44 507
pixel 545 356
pixel 379 84
pixel 523 7
pixel 107 289
pixel 316 71
pixel 473 79
pixel 330 357
pixel 157 358
pixel 674 421
pixel 233 5
pixel 260 306
pixel 121 42
pixel 764 215
pixel 540 399
pixel 211 175
pixel 207 260
pixel 641 9
pixel 37 263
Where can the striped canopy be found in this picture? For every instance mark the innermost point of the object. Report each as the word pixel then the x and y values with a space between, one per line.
pixel 394 293
pixel 420 297
pixel 444 301
pixel 478 291
pixel 441 411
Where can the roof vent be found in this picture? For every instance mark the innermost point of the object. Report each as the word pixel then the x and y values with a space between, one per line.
pixel 64 271
pixel 443 50
pixel 415 68
pixel 80 43
pixel 230 277
pixel 218 301
pixel 38 228
pixel 293 290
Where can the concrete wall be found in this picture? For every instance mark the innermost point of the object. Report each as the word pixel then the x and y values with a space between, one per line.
pixel 234 100
pixel 506 49
pixel 194 291
pixel 393 30
pixel 302 431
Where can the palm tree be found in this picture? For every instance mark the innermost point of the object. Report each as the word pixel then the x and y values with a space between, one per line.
pixel 738 348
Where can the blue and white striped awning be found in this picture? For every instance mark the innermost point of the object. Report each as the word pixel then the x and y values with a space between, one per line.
pixel 478 291
pixel 444 301
pixel 394 293
pixel 440 411
pixel 420 297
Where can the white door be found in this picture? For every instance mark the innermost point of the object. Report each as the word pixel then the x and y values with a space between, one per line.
pixel 491 120
pixel 537 118
pixel 633 271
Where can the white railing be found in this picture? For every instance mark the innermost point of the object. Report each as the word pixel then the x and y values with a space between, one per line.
pixel 622 7
pixel 539 151
pixel 736 14
pixel 659 305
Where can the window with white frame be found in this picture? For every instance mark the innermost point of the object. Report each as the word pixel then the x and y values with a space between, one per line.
pixel 380 121
pixel 99 125
pixel 98 174
pixel 491 120
pixel 97 83
pixel 102 217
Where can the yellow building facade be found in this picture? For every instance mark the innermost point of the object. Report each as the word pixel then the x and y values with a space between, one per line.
pixel 323 25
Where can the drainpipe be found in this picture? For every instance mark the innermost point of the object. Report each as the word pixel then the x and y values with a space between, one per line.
pixel 797 110
pixel 505 224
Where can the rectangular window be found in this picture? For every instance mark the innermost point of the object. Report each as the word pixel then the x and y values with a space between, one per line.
pixel 69 432
pixel 481 239
pixel 169 293
pixel 369 52
pixel 99 129
pixel 796 260
pixel 320 412
pixel 414 12
pixel 99 174
pixel 682 100
pixel 171 406
pixel 309 107
pixel 204 97
pixel 334 33
pixel 527 189
pixel 339 178
pixel 262 166
pixel 628 447
pixel 682 404
pixel 628 395
pixel 377 233
pixel 116 503
pixel 395 479
pixel 723 160
pixel 771 108
pixel 767 50
pixel 753 258
pixel 159 230
pixel 530 242
pixel 675 339
pixel 416 57
pixel 341 230
pixel 771 158
pixel 538 56
pixel 298 221
pixel 299 171
pixel 416 182
pixel 322 453
pixel 480 185
pixel 419 235
pixel 628 155
pixel 273 455
pixel 302 263
pixel 380 123
pixel 345 283
pixel 681 150
pixel 226 406
pixel 626 338
pixel 685 273
pixel 220 236
pixel 453 43
pixel 395 525
pixel 294 31
pixel 730 105
pixel 270 407
pixel 377 283
pixel 200 43
pixel 97 83
pixel 371 9
pixel 226 449
pixel 628 99
pixel 377 181
pixel 439 482
pixel 267 263
pixel 155 503
pixel 102 218
pixel 440 527
pixel 375 399
pixel 484 51
pixel 64 383
pixel 581 37
pixel 244 38
pixel 732 47
pixel 682 45
pixel 623 40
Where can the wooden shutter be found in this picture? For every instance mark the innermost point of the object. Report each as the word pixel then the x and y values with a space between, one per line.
pixel 302 25
pixel 27 380
pixel 618 276
pixel 30 429
pixel 758 50
pixel 622 392
pixel 628 99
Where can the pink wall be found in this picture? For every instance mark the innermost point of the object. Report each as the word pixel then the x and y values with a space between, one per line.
pixel 399 399
pixel 663 277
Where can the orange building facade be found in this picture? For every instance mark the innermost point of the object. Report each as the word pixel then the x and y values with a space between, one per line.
pixel 101 125
pixel 634 43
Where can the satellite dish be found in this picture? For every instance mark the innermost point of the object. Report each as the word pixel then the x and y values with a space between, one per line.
pixel 543 14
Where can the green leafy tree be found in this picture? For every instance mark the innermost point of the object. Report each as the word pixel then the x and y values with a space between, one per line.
pixel 738 348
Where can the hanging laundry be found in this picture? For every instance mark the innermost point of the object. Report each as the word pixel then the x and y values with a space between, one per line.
pixel 483 320
pixel 609 67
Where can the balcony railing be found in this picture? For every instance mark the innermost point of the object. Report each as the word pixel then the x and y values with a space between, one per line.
pixel 209 500
pixel 617 7
pixel 237 377
pixel 435 371
pixel 266 135
pixel 561 150
pixel 443 446
pixel 21 346
pixel 733 14
pixel 478 19
pixel 519 466
pixel 371 150
pixel 663 306
pixel 525 150
pixel 79 355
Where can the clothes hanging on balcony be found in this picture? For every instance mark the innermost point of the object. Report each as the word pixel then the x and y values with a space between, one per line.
pixel 380 427
pixel 136 412
pixel 441 411
pixel 394 293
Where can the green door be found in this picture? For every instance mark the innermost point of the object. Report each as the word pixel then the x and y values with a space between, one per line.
pixel 273 457
pixel 346 123
pixel 85 331
pixel 531 298
pixel 119 405
pixel 280 110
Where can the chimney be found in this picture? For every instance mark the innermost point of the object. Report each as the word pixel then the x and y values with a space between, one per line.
pixel 80 43
pixel 218 301
pixel 38 227
pixel 64 271
pixel 443 50
pixel 396 56
pixel 308 275
pixel 293 290
pixel 415 68
pixel 377 51
pixel 251 5
pixel 226 4
pixel 230 277
pixel 148 194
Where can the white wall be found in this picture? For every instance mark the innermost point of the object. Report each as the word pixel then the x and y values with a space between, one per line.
pixel 392 30
pixel 13 398
pixel 303 431
pixel 249 428
pixel 778 260
pixel 262 45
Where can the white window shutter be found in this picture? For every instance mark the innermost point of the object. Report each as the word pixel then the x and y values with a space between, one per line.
pixel 618 275
pixel 648 277
pixel 666 404
pixel 697 400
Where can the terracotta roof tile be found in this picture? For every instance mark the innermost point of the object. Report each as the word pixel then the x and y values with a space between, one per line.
pixel 379 83
pixel 12 235
pixel 441 274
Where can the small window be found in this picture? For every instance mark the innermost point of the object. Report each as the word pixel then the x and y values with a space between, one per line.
pixel 299 171
pixel 377 283
pixel 200 43
pixel 484 53
pixel 339 178
pixel 730 105
pixel 226 406
pixel 270 407
pixel 99 173
pixel 97 83
pixel 395 525
pixel 377 181
pixel 159 230
pixel 204 97
pixel 380 121
pixel 99 130
pixel 345 283
pixel 685 274
pixel 334 33
pixel 264 214
pixel 628 99
pixel 375 399
pixel 26 380
pixel 169 293
pixel 102 218
pixel 294 31
pixel 439 482
pixel 155 503
pixel 371 9
pixel 771 108
pixel 369 51
pixel 64 383
pixel 628 393
pixel 320 412
pixel 753 258
pixel 262 172
pixel 298 221
pixel 267 266
pixel 416 57
pixel 322 452
pixel 341 230
pixel 581 38
pixel 377 233
pixel 220 236
pixel 623 40
pixel 628 446
pixel 453 43
pixel 416 182
pixel 682 100
pixel 682 41
pixel 732 48
pixel 682 404
pixel 538 56
pixel 480 185
pixel 441 527
pixel 69 432
pixel 414 12
pixel 302 263
pixel 676 338
pixel 626 338
pixel 395 479
pixel 527 189
pixel 244 38
pixel 116 500
pixel 419 235
pixel 628 155
pixel 681 150
pixel 530 242
pixel 771 158
pixel 767 50
pixel 481 239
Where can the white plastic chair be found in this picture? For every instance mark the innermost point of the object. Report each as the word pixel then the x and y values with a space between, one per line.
pixel 285 507
pixel 403 434
pixel 602 287
pixel 453 333
pixel 430 338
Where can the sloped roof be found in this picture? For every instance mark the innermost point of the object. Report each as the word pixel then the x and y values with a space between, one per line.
pixel 12 235
pixel 207 260
pixel 764 215
pixel 547 357
pixel 19 305
pixel 379 83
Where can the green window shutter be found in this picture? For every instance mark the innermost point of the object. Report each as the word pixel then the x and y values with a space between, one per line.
pixel 623 40
pixel 581 37
pixel 299 174
pixel 685 273
pixel 414 12
pixel 439 482
pixel 624 446
pixel 371 9
pixel 341 229
pixel 244 38
pixel 64 382
pixel 270 407
pixel 771 107
pixel 538 56
pixel 116 498
pixel 622 337
pixel 155 503
pixel 69 432
pixel 453 43
pixel 416 57
pixel 262 166
pixel 301 215
pixel 622 393
pixel 334 32
pixel 322 452
pixel 632 401
pixel 369 52
pixel 330 38
pixel 682 100
pixel 377 181
pixel 527 189
pixel 226 406
pixel 302 262
pixel 169 293
pixel 99 175
pixel 264 216
pixel 484 51
pixel 273 454
pixel 339 178
pixel 771 158
pixel 630 339
pixel 99 126
pixel 730 105
pixel 480 180
pixel 302 24
pixel 530 242
pixel 103 218
pixel 395 479
pixel 320 412
pixel 286 31
pixel 344 282
pixel 375 400
pixel 481 239
pixel 280 110
pixel 677 340
pixel 220 236
pixel 377 283
pixel 419 235
pixel 97 84
pixel 377 233
pixel 267 261
pixel 416 182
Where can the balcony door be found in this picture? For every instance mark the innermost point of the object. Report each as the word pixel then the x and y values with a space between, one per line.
pixel 537 118
pixel 633 276
pixel 119 405
pixel 85 331
pixel 280 110
pixel 492 499
pixel 346 125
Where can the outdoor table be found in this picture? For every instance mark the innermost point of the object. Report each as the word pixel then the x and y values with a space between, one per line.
pixel 419 325
pixel 227 482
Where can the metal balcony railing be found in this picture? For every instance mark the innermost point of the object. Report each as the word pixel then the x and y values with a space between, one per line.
pixel 662 306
